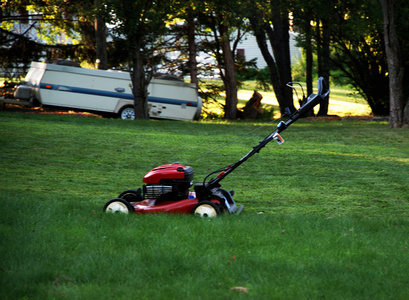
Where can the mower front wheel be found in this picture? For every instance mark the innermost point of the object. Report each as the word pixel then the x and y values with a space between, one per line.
pixel 206 209
pixel 118 205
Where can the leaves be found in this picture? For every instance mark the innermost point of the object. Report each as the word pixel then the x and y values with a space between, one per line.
pixel 240 289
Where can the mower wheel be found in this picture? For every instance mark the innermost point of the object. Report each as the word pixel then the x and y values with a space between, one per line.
pixel 206 209
pixel 118 205
pixel 132 195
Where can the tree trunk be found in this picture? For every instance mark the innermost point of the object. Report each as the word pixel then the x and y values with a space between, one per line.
pixel 308 56
pixel 280 42
pixel 395 68
pixel 309 65
pixel 325 65
pixel 135 35
pixel 192 48
pixel 229 78
pixel 100 41
pixel 139 85
pixel 406 114
pixel 260 34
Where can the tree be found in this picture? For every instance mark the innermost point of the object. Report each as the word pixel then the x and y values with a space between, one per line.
pixel 399 112
pixel 223 19
pixel 228 76
pixel 213 28
pixel 323 37
pixel 303 17
pixel 348 34
pixel 61 29
pixel 191 37
pixel 185 13
pixel 18 47
pixel 313 20
pixel 271 20
pixel 142 23
pixel 100 37
pixel 358 50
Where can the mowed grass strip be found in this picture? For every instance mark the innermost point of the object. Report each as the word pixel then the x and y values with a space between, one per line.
pixel 326 213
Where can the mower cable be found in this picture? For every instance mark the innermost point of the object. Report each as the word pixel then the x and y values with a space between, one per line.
pixel 231 142
pixel 213 172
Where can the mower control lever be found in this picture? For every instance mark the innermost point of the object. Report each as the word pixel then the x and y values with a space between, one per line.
pixel 278 138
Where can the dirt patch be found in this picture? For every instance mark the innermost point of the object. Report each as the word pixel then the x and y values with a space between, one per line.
pixel 349 118
pixel 45 111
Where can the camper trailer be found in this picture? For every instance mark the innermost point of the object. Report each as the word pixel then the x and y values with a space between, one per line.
pixel 106 92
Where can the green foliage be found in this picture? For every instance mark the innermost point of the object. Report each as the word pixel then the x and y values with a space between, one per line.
pixel 246 70
pixel 263 80
pixel 338 77
pixel 326 213
pixel 261 77
pixel 264 74
pixel 357 57
pixel 58 29
pixel 298 69
pixel 210 92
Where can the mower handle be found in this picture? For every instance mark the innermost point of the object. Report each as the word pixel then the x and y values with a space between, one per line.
pixel 323 90
pixel 311 102
pixel 320 85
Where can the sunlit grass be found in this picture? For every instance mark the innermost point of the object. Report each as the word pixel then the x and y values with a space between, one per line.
pixel 343 101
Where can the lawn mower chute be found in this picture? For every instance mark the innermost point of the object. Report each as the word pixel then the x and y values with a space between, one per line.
pixel 167 188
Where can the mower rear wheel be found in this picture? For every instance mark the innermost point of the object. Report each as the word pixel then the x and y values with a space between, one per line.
pixel 132 195
pixel 206 209
pixel 118 205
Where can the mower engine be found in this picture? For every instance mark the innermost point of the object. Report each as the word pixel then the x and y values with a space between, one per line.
pixel 168 183
pixel 166 189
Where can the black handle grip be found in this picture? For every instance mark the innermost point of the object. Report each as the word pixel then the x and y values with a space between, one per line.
pixel 311 102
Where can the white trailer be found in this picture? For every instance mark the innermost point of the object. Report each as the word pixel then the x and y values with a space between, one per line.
pixel 106 92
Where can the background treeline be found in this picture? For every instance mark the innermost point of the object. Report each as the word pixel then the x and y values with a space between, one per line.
pixel 363 43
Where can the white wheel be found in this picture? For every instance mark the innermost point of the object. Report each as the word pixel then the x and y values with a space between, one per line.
pixel 206 209
pixel 128 113
pixel 118 206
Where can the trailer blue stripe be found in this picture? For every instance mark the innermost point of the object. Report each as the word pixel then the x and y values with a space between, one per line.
pixel 78 90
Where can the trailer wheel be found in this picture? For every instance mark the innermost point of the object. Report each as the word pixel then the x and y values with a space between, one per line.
pixel 206 209
pixel 127 113
pixel 118 205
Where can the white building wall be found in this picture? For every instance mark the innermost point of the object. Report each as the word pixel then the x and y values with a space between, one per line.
pixel 251 49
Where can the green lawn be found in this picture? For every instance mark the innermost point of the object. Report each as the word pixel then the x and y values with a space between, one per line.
pixel 326 213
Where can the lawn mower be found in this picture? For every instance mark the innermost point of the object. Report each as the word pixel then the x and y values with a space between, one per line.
pixel 167 187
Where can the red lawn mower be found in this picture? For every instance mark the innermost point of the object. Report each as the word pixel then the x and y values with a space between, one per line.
pixel 167 187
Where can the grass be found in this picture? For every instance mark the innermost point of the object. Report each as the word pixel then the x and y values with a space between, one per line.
pixel 326 213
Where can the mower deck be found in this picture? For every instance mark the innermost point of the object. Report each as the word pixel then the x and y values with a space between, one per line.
pixel 148 206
